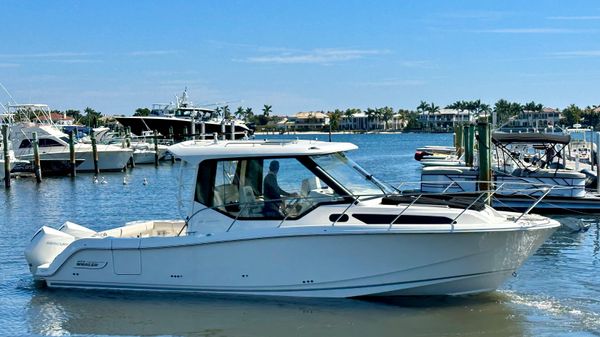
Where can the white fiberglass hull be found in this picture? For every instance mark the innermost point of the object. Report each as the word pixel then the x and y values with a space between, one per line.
pixel 110 157
pixel 306 262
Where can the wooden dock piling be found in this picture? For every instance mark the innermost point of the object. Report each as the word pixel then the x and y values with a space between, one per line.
pixel 95 153
pixel 155 148
pixel 6 156
pixel 72 160
pixel 37 165
pixel 202 130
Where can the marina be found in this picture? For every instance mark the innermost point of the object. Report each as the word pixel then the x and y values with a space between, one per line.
pixel 535 295
pixel 300 168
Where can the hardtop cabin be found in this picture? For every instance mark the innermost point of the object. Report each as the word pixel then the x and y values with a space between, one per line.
pixel 233 177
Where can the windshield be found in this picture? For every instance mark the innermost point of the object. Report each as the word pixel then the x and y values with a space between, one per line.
pixel 350 175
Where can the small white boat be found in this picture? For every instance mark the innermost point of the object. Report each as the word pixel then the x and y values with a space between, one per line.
pixel 334 231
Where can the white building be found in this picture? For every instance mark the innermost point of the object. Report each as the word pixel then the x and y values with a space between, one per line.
pixel 445 119
pixel 361 121
pixel 548 117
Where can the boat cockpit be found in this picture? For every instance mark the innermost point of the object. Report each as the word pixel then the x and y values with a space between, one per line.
pixel 282 187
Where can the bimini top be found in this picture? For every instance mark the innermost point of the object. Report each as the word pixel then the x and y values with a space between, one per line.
pixel 530 138
pixel 195 151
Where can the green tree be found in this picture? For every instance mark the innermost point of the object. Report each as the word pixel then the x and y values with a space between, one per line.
pixel 75 114
pixel 532 106
pixel 248 114
pixel 334 119
pixel 423 106
pixel 226 112
pixel 142 112
pixel 506 110
pixel 387 114
pixel 572 114
pixel 266 110
pixel 239 113
pixel 91 118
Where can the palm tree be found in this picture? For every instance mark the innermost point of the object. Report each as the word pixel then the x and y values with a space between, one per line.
pixel 348 115
pixel 423 106
pixel 432 108
pixel 387 115
pixel 370 116
pixel 239 113
pixel 267 109
pixel 248 114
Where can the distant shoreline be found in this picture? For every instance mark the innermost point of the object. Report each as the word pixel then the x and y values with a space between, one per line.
pixel 262 133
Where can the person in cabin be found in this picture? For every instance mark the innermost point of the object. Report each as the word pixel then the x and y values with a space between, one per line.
pixel 273 193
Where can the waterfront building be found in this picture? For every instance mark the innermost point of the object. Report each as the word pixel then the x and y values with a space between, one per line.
pixel 362 122
pixel 444 119
pixel 546 118
pixel 309 121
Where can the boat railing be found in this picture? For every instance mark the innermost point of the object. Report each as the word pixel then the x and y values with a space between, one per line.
pixel 481 196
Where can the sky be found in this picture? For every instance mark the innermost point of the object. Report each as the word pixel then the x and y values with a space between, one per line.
pixel 117 56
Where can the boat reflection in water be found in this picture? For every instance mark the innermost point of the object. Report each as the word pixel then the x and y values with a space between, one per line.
pixel 59 312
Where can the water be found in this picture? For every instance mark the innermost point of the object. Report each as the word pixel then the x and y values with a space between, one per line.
pixel 555 293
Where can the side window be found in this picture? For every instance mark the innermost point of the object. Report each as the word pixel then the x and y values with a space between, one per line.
pixel 226 191
pixel 25 144
pixel 261 188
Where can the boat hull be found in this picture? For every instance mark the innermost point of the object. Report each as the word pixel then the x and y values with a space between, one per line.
pixel 178 128
pixel 350 264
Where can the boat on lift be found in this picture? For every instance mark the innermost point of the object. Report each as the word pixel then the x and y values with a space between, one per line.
pixel 331 230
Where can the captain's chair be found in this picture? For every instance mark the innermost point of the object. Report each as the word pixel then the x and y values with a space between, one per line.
pixel 249 205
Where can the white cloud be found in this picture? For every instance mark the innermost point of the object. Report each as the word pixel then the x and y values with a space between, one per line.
pixel 317 56
pixel 392 82
pixel 152 52
pixel 578 53
pixel 589 17
pixel 45 55
pixel 534 31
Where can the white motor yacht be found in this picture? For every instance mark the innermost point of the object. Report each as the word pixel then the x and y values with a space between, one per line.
pixel 54 145
pixel 313 225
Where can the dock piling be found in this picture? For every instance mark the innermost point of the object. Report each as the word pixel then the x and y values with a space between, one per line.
pixel 202 130
pixel 72 160
pixel 485 156
pixel 95 153
pixel 37 165
pixel 6 156
pixel 155 148
pixel 232 130
pixel 223 133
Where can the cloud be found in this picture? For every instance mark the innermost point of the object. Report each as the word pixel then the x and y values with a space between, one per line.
pixel 392 82
pixel 45 55
pixel 590 17
pixel 152 52
pixel 534 31
pixel 316 56
pixel 577 53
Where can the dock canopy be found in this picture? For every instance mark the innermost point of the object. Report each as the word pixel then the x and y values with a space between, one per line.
pixel 530 138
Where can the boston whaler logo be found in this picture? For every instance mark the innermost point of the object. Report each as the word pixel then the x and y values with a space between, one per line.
pixel 90 264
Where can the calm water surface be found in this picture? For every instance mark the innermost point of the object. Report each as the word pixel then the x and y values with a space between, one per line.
pixel 556 292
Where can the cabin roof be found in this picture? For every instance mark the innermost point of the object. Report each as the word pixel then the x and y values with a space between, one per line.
pixel 195 151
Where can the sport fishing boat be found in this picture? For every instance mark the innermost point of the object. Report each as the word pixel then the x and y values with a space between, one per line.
pixel 183 119
pixel 55 153
pixel 294 218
